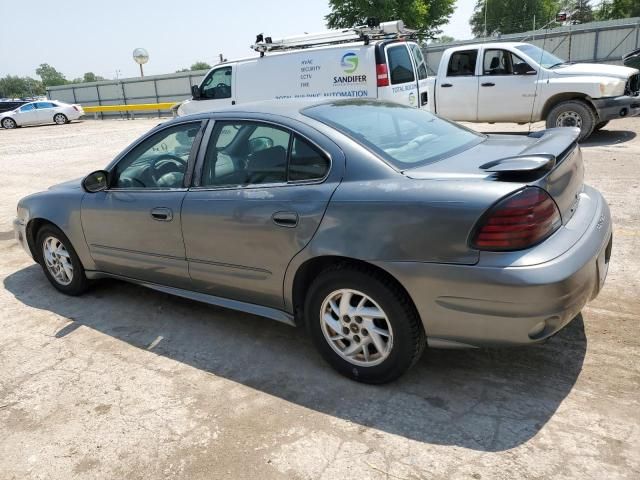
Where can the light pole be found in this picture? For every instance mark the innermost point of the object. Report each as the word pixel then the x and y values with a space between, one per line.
pixel 140 56
pixel 485 18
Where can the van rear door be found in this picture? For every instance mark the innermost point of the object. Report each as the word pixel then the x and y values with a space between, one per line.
pixel 421 73
pixel 403 82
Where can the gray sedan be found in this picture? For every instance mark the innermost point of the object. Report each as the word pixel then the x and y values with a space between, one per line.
pixel 380 228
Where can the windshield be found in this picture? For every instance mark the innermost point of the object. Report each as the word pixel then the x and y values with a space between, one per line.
pixel 544 58
pixel 403 136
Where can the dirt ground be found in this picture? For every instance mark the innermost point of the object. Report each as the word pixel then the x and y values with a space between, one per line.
pixel 129 383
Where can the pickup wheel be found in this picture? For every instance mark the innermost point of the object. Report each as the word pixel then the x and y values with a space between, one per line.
pixel 600 126
pixel 573 113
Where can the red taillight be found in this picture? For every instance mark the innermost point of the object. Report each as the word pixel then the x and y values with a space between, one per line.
pixel 382 74
pixel 519 221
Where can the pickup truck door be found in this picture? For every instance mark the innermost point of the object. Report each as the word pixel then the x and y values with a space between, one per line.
pixel 403 85
pixel 507 87
pixel 457 87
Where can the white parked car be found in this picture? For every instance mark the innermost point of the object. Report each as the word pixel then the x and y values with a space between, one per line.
pixel 38 113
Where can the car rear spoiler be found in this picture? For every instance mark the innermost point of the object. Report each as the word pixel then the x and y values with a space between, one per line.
pixel 539 157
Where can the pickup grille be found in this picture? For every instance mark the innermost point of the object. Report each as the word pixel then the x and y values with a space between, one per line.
pixel 633 85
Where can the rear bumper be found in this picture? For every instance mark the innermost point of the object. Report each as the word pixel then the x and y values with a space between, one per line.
pixel 480 305
pixel 617 107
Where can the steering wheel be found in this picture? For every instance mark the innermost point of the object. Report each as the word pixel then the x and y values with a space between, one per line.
pixel 166 156
pixel 224 88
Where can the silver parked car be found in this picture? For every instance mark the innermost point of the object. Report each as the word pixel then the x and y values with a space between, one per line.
pixel 379 227
pixel 39 113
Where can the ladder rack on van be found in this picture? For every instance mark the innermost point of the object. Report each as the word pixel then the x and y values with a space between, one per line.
pixel 363 33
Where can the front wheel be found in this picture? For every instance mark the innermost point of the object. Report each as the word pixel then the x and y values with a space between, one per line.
pixel 60 118
pixel 9 123
pixel 59 260
pixel 363 324
pixel 573 113
pixel 600 126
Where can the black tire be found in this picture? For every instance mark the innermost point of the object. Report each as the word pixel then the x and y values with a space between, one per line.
pixel 577 114
pixel 60 119
pixel 600 126
pixel 9 123
pixel 408 334
pixel 79 282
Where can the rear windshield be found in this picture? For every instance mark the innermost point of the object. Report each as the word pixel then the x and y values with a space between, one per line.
pixel 403 136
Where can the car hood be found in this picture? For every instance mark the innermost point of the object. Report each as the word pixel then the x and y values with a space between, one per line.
pixel 68 185
pixel 595 69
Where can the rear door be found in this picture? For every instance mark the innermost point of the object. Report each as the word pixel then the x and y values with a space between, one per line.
pixel 45 112
pixel 260 196
pixel 403 83
pixel 421 72
pixel 457 87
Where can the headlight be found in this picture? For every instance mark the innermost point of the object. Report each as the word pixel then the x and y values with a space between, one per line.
pixel 612 88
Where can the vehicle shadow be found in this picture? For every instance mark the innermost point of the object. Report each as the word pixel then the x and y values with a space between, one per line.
pixel 485 399
pixel 608 137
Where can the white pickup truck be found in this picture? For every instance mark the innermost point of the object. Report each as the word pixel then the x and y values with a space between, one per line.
pixel 519 82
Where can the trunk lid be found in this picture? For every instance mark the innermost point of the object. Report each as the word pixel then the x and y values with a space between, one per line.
pixel 549 159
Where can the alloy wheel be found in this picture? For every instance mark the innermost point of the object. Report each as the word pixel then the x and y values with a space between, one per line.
pixel 59 119
pixel 356 327
pixel 8 123
pixel 57 260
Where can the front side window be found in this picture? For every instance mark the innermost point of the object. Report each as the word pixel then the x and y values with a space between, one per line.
pixel 217 84
pixel 502 62
pixel 404 137
pixel 400 66
pixel 462 63
pixel 257 154
pixel 160 161
pixel 28 107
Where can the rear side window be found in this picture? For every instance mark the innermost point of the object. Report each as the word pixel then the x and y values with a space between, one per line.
pixel 462 63
pixel 45 105
pixel 306 162
pixel 419 59
pixel 400 66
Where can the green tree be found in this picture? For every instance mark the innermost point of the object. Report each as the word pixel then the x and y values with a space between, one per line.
pixel 610 9
pixel 511 16
pixel 50 76
pixel 200 66
pixel 579 10
pixel 423 15
pixel 91 77
pixel 17 87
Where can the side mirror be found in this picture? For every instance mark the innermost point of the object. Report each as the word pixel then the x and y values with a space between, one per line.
pixel 96 181
pixel 195 92
pixel 523 69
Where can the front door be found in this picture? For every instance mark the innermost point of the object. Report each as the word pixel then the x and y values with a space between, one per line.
pixel 262 193
pixel 133 228
pixel 457 88
pixel 28 115
pixel 216 90
pixel 403 85
pixel 503 76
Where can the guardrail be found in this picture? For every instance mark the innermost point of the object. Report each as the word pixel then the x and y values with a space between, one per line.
pixel 96 109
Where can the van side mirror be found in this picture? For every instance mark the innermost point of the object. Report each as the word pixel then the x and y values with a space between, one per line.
pixel 195 92
pixel 96 181
pixel 523 69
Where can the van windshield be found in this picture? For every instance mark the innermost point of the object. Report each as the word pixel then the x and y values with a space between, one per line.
pixel 404 137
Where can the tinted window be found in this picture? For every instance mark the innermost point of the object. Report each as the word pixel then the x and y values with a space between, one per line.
pixel 400 66
pixel 257 154
pixel 306 162
pixel 462 63
pixel 419 59
pixel 403 136
pixel 160 161
pixel 217 84
pixel 45 105
pixel 27 107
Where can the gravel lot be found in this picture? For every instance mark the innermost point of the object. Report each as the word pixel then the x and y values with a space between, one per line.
pixel 129 383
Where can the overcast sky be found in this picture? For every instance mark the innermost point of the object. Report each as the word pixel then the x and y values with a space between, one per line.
pixel 77 36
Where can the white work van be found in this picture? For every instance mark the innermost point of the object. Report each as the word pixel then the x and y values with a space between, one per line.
pixel 380 61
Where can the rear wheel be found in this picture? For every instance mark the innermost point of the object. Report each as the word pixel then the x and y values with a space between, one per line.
pixel 9 123
pixel 363 324
pixel 59 260
pixel 600 126
pixel 573 113
pixel 60 118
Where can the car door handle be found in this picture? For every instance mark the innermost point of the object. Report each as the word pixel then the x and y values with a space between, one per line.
pixel 488 84
pixel 162 214
pixel 285 219
pixel 446 85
